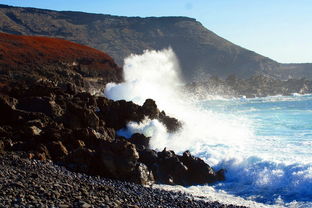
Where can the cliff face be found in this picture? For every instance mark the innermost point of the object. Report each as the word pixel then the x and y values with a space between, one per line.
pixel 200 51
pixel 31 58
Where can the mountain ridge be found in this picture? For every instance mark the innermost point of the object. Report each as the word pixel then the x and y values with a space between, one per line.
pixel 200 51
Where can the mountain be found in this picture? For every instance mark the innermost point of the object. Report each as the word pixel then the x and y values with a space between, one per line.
pixel 200 51
pixel 31 58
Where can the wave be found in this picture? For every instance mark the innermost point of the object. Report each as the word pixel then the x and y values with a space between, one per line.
pixel 222 138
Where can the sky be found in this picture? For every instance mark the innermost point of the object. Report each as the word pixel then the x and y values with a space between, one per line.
pixel 278 29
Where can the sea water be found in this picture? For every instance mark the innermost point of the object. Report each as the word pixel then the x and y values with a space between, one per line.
pixel 264 144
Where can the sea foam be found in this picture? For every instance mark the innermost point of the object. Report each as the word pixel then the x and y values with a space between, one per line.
pixel 257 169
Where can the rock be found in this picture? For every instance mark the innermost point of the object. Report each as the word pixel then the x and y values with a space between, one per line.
pixel 42 152
pixel 169 168
pixel 119 160
pixel 78 117
pixel 148 157
pixel 220 174
pixel 142 175
pixel 141 141
pixel 149 108
pixel 117 114
pixel 82 160
pixel 171 123
pixel 57 150
pixel 1 147
pixel 36 123
pixel 91 137
pixel 198 171
pixel 41 104
pixel 3 132
pixel 33 130
pixel 7 109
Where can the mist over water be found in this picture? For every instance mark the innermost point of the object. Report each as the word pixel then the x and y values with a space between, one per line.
pixel 264 162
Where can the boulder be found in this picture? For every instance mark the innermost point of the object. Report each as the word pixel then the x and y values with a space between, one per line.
pixel 78 117
pixel 119 160
pixel 7 110
pixel 42 152
pixel 172 124
pixel 41 104
pixel 117 114
pixel 199 172
pixel 142 175
pixel 82 160
pixel 90 137
pixel 57 150
pixel 33 131
pixel 141 141
pixel 149 108
pixel 148 157
pixel 169 168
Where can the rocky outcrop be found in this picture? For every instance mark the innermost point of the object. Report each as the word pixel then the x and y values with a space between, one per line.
pixel 200 51
pixel 66 64
pixel 78 130
pixel 169 168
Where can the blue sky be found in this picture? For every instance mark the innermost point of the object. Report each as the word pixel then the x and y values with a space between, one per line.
pixel 279 29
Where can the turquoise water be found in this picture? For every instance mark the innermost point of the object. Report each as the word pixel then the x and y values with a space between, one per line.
pixel 276 164
pixel 264 144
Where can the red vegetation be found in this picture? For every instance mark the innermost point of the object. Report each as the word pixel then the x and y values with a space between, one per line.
pixel 32 51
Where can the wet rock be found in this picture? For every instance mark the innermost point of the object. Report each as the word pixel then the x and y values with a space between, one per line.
pixel 198 171
pixel 148 157
pixel 149 108
pixel 117 114
pixel 169 168
pixel 141 141
pixel 171 123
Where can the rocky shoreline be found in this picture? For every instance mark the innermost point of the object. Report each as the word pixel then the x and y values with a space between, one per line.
pixel 49 114
pixel 78 131
pixel 33 183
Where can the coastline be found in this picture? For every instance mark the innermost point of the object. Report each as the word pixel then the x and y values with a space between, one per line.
pixel 33 183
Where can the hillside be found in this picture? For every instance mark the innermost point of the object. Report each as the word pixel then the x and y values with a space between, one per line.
pixel 31 58
pixel 200 51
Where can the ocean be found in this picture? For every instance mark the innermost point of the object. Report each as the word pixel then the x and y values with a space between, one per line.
pixel 264 144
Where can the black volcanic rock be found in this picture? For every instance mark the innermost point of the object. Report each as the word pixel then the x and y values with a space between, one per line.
pixel 81 135
pixel 50 117
pixel 140 140
pixel 200 51
pixel 169 168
